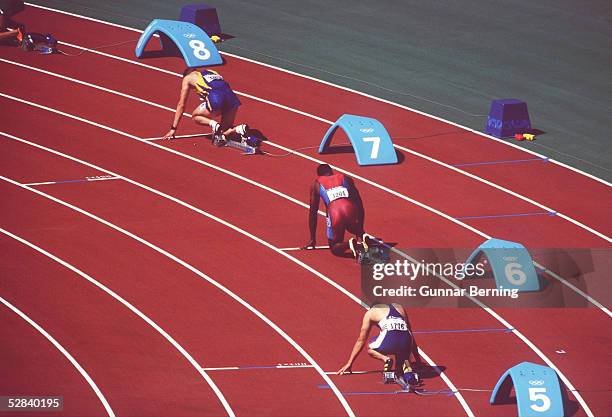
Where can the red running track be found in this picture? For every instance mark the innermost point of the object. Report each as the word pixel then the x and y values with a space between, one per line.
pixel 249 208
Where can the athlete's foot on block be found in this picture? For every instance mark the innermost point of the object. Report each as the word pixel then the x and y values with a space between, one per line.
pixel 219 140
pixel 215 127
pixel 242 130
pixel 364 239
pixel 353 246
pixel 388 372
pixel 410 377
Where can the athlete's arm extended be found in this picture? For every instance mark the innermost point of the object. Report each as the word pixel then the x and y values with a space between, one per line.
pixel 180 107
pixel 312 214
pixel 366 325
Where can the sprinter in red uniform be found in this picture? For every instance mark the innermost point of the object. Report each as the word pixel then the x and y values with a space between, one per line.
pixel 344 210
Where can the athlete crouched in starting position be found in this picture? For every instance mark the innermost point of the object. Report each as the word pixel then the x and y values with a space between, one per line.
pixel 218 101
pixel 344 210
pixel 395 339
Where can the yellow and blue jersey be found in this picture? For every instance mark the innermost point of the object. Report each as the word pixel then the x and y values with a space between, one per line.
pixel 208 80
pixel 215 91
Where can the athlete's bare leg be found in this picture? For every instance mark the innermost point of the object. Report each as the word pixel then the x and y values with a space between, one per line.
pixel 377 355
pixel 202 116
pixel 227 121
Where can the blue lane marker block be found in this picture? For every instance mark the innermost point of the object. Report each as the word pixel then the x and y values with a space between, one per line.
pixel 370 140
pixel 202 15
pixel 507 117
pixel 511 264
pixel 193 43
pixel 537 389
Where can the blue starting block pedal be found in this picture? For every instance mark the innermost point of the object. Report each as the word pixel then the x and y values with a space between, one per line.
pixel 193 43
pixel 242 146
pixel 511 264
pixel 370 140
pixel 537 389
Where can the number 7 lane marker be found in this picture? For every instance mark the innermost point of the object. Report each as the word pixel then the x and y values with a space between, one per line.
pixel 375 145
pixel 386 189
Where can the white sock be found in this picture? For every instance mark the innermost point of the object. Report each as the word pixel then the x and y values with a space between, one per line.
pixel 213 125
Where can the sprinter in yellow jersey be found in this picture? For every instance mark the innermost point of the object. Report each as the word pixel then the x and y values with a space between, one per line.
pixel 218 101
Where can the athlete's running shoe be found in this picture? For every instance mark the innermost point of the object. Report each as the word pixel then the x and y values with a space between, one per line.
pixel 388 366
pixel 353 246
pixel 219 140
pixel 411 377
pixel 215 127
pixel 242 130
pixel 364 241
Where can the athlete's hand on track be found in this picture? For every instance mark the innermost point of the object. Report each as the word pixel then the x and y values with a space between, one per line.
pixel 310 245
pixel 169 135
pixel 346 369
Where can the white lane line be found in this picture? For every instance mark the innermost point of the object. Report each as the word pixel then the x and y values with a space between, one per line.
pixel 86 179
pixel 196 271
pixel 274 248
pixel 507 191
pixel 435 161
pixel 255 367
pixel 195 135
pixel 341 88
pixel 134 310
pixel 452 123
pixel 516 332
pixel 64 352
pixel 573 287
pixel 295 260
pixel 300 248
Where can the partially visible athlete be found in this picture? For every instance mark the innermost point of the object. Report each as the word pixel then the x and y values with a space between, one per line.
pixel 8 28
pixel 395 339
pixel 218 101
pixel 344 210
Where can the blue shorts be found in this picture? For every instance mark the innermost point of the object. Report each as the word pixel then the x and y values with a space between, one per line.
pixel 221 100
pixel 392 342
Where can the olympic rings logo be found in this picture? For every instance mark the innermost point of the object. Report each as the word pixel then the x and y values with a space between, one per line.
pixel 536 382
pixel 369 130
pixel 189 35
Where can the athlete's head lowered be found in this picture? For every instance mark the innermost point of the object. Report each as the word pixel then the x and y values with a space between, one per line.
pixel 189 70
pixel 324 170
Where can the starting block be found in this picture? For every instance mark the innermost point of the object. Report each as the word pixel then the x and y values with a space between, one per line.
pixel 389 377
pixel 537 389
pixel 193 43
pixel 407 385
pixel 242 146
pixel 376 254
pixel 511 264
pixel 370 140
